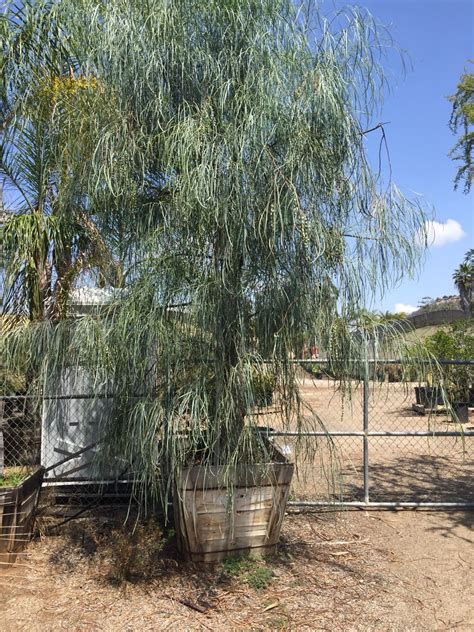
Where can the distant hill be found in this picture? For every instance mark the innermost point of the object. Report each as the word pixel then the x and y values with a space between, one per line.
pixel 439 311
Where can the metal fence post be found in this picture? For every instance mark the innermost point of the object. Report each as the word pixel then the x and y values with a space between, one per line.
pixel 366 430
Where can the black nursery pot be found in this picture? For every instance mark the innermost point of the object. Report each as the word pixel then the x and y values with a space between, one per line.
pixel 429 396
pixel 461 412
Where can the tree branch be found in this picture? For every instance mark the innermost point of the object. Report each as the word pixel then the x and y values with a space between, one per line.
pixel 372 129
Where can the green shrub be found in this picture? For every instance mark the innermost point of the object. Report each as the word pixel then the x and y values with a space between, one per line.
pixel 263 386
pixel 251 570
pixel 457 344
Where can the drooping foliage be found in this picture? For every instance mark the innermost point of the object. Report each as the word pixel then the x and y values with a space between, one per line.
pixel 462 118
pixel 217 147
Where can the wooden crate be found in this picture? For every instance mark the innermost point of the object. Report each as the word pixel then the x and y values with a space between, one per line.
pixel 214 521
pixel 17 514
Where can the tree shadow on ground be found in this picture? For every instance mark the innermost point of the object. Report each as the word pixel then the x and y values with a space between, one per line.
pixel 457 518
pixel 119 555
pixel 426 478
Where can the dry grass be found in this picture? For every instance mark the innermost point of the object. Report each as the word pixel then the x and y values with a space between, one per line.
pixel 13 476
pixel 346 571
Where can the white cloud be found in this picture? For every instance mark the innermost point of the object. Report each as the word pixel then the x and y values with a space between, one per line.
pixel 439 233
pixel 404 308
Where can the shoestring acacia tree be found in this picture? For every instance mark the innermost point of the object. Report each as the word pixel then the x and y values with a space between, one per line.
pixel 230 137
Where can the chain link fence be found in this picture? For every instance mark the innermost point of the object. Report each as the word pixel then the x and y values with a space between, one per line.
pixel 21 426
pixel 62 433
pixel 385 443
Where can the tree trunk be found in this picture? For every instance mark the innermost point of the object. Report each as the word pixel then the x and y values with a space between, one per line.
pixel 41 289
pixel 228 309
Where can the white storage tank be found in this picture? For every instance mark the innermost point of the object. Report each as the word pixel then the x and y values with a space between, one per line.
pixel 72 419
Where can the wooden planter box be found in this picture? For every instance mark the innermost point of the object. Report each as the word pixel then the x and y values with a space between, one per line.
pixel 213 522
pixel 17 514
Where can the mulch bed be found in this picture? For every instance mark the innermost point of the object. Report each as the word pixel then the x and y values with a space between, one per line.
pixel 324 577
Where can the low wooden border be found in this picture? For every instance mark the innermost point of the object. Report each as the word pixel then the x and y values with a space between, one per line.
pixel 17 514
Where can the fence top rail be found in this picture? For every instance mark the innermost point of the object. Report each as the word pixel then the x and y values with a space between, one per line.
pixel 72 396
pixel 315 361
pixel 378 361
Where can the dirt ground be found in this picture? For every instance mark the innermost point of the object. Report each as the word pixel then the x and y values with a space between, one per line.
pixel 401 468
pixel 394 571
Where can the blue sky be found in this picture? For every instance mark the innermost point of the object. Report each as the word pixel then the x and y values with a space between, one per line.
pixel 439 37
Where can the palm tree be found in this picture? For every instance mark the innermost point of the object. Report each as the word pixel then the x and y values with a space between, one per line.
pixel 464 280
pixel 52 234
pixel 3 219
pixel 469 257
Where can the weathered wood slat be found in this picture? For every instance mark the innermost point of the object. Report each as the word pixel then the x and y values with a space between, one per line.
pixel 243 476
pixel 214 522
pixel 17 513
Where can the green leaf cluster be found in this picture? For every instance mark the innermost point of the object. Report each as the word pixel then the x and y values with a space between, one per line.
pixel 456 344
pixel 462 118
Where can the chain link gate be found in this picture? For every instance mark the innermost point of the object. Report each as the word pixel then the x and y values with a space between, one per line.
pixel 380 448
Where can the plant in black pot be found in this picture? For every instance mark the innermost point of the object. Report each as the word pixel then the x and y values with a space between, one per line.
pixel 264 383
pixel 222 152
pixel 460 379
pixel 456 348
pixel 429 396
